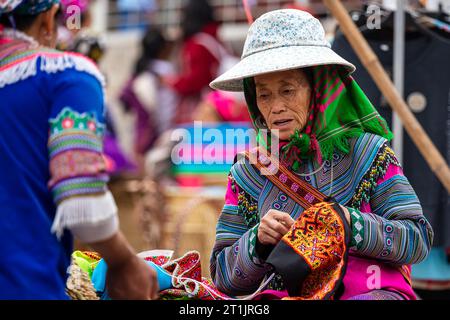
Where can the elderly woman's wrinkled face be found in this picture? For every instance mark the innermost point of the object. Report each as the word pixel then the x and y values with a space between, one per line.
pixel 283 99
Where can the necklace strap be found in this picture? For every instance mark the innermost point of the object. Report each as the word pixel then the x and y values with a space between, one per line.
pixel 297 189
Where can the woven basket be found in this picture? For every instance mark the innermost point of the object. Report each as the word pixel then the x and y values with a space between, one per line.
pixel 79 285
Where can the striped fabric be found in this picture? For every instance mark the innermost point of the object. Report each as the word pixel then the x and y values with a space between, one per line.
pixel 13 50
pixel 237 268
pixel 395 231
pixel 80 139
pixel 248 178
pixel 17 51
pixel 77 166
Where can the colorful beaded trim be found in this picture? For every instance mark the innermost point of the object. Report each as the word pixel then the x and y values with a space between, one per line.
pixel 378 169
pixel 248 208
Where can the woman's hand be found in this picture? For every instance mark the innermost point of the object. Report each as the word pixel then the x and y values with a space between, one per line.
pixel 273 226
pixel 128 276
pixel 132 280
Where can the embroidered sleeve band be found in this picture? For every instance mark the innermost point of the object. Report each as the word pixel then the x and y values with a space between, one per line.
pixel 77 166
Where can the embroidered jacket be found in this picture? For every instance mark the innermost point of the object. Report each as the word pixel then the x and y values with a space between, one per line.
pixel 388 227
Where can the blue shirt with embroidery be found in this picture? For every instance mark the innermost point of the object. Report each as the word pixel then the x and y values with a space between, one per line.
pixel 33 261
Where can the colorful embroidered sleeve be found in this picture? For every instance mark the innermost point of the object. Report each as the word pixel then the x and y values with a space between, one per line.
pixel 235 267
pixel 77 168
pixel 391 225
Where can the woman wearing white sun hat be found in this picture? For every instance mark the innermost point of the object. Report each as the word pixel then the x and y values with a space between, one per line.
pixel 332 142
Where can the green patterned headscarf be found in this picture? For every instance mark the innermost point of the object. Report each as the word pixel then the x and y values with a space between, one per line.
pixel 339 110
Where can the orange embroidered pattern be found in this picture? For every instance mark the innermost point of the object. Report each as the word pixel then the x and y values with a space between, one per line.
pixel 92 255
pixel 319 237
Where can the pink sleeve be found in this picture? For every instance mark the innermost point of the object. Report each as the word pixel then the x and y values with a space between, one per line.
pixel 231 197
pixel 391 171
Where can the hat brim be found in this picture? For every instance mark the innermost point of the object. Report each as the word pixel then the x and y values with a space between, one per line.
pixel 278 59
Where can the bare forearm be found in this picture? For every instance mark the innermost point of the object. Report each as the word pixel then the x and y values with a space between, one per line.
pixel 128 276
pixel 115 250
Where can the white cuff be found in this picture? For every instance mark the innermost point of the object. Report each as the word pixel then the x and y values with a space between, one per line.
pixel 92 217
pixel 98 232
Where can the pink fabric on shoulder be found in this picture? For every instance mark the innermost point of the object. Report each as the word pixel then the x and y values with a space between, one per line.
pixel 231 197
pixel 4 40
pixel 392 170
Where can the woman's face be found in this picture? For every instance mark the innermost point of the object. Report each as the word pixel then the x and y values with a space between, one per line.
pixel 283 99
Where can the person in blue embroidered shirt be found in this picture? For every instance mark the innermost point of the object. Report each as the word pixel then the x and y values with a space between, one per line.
pixel 52 172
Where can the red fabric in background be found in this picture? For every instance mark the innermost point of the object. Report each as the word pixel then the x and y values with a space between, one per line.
pixel 199 66
pixel 198 69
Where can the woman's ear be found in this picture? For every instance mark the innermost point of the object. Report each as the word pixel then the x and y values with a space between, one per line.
pixel 260 122
pixel 48 28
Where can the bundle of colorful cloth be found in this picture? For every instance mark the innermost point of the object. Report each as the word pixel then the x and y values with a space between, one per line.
pixel 178 279
pixel 311 258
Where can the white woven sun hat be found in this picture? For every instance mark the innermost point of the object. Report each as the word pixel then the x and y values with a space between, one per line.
pixel 277 41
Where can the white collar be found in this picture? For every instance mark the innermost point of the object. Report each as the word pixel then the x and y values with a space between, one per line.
pixel 19 35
